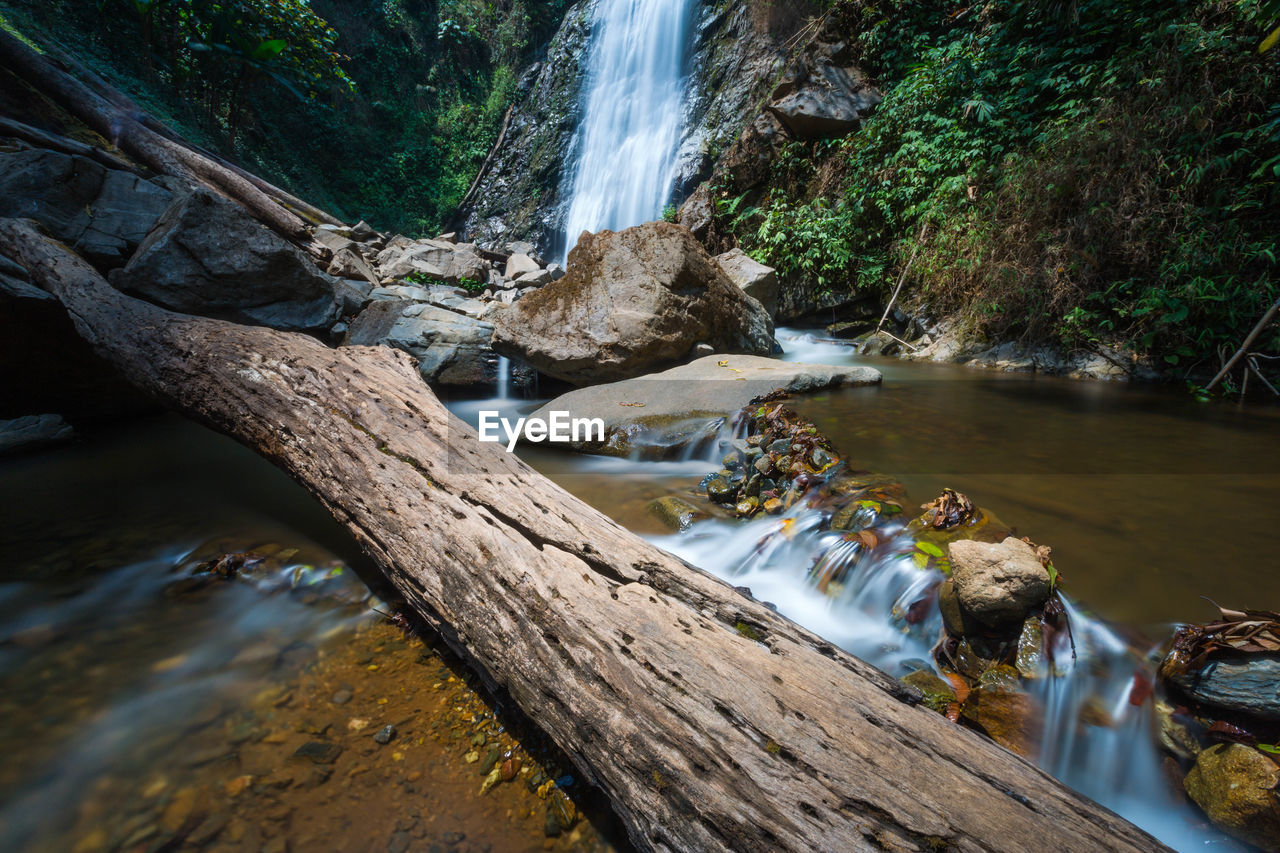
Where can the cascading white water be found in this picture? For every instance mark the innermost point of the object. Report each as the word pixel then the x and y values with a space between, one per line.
pixel 1114 758
pixel 632 114
pixel 504 377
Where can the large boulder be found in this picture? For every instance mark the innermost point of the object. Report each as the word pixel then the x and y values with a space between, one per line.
pixel 433 259
pixel 1236 785
pixel 756 280
pixel 664 412
pixel 451 349
pixel 104 214
pixel 632 301
pixel 208 256
pixel 822 99
pixel 998 583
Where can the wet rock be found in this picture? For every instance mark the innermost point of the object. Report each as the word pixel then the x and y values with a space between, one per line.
pixel 207 255
pixel 494 777
pixel 956 620
pixel 1030 655
pixel 318 751
pixel 675 513
pixel 207 830
pixel 384 735
pixel 1236 786
pixel 452 838
pixel 399 842
pixel 998 584
pixel 341 697
pixel 720 490
pixel 1175 732
pixel 756 280
pixel 632 301
pixel 773 506
pixel 1248 685
pixel 937 693
pixel 1008 716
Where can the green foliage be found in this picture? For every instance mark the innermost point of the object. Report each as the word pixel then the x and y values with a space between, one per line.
pixel 380 110
pixel 670 213
pixel 1088 173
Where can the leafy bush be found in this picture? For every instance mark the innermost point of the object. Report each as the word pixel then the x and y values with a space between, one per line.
pixel 1095 172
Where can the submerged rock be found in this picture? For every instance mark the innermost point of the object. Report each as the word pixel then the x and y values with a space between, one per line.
pixel 1236 786
pixel 998 584
pixel 632 301
pixel 676 513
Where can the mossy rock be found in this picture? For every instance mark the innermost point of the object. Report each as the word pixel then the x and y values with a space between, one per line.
pixel 937 693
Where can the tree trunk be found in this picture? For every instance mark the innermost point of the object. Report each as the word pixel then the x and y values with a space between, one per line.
pixel 705 735
pixel 124 103
pixel 148 147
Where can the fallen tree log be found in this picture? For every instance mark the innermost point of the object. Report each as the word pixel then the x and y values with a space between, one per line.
pixel 711 722
pixel 157 152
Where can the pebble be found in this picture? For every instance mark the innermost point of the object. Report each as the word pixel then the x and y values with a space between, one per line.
pixel 237 785
pixel 318 751
pixel 342 697
pixel 490 760
pixel 399 842
pixel 452 838
pixel 385 734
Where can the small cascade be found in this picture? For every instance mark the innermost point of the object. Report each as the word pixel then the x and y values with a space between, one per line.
pixel 876 598
pixel 504 378
pixel 626 143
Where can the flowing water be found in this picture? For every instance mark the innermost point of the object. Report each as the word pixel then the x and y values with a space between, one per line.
pixel 1149 499
pixel 146 704
pixel 625 146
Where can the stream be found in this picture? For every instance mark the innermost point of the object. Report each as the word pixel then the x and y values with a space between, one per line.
pixel 131 683
pixel 1149 499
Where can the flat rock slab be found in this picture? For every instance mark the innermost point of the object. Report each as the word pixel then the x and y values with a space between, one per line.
pixel 662 413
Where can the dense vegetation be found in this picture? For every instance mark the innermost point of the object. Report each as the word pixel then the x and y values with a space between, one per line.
pixel 373 109
pixel 1078 172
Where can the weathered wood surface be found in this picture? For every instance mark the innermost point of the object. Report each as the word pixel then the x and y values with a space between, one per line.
pixel 627 657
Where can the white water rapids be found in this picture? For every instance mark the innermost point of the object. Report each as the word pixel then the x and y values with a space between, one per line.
pixel 1095 734
pixel 633 97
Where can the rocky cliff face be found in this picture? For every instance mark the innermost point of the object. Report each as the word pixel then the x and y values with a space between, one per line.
pixel 738 54
pixel 518 197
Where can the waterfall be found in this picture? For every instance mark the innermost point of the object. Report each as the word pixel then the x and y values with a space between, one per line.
pixel 504 377
pixel 633 102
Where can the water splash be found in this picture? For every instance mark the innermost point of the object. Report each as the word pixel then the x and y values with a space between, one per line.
pixel 632 115
pixel 1094 738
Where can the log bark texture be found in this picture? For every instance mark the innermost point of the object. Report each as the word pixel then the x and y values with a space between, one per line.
pixel 631 660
